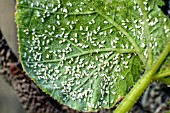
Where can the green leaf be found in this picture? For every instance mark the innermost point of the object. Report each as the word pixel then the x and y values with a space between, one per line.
pixel 165 80
pixel 166 64
pixel 87 54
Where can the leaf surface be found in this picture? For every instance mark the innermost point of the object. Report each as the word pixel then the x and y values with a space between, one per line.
pixel 87 54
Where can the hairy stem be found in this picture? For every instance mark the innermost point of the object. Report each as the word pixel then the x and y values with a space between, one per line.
pixel 142 83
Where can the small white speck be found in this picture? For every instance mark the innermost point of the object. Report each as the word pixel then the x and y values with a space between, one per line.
pixel 81 28
pixel 58 22
pixel 48 56
pixel 42 20
pixel 122 77
pixel 91 9
pixel 167 30
pixel 32 5
pixel 135 21
pixel 75 34
pixel 77 10
pixel 98 28
pixel 81 3
pixel 58 17
pixel 111 30
pixel 105 22
pixel 87 28
pixel 142 45
pixel 123 23
pixel 53 28
pixel 38 14
pixel 94 31
pixel 165 19
pixel 113 93
pixel 144 3
pixel 126 67
pixel 134 7
pixel 69 4
pixel 66 15
pixel 46 47
pixel 71 27
pixel 63 29
pixel 149 8
pixel 93 21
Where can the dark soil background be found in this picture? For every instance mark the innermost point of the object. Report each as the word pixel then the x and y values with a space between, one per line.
pixel 154 99
pixel 8 100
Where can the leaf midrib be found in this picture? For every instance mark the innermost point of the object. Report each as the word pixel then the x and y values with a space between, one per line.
pixel 88 52
pixel 148 36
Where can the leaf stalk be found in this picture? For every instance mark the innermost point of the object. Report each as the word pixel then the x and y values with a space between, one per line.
pixel 132 97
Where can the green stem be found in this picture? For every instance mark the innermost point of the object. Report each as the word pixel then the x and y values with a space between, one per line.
pixel 162 75
pixel 142 84
pixel 134 94
pixel 162 57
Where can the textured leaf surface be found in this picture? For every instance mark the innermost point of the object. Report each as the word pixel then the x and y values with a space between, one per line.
pixel 87 54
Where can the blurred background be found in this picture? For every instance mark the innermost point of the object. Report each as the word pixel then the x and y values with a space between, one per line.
pixel 8 100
